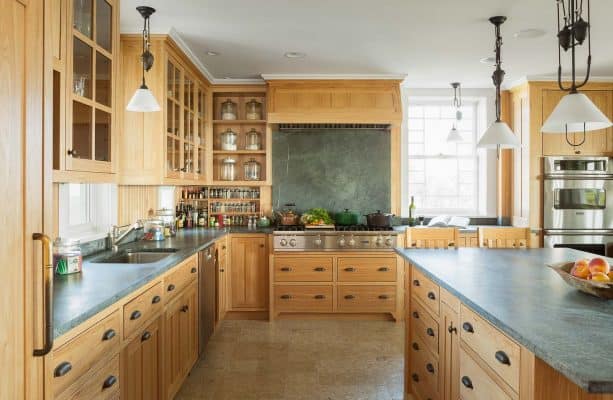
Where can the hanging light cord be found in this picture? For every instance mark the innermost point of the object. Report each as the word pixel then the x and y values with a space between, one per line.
pixel 147 64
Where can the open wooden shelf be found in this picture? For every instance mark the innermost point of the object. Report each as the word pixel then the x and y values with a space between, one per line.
pixel 246 152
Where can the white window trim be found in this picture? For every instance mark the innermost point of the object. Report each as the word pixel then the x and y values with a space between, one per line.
pixel 102 212
pixel 487 159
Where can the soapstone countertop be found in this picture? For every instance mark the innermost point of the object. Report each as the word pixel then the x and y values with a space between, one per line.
pixel 516 292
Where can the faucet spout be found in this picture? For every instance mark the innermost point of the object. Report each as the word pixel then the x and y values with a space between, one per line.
pixel 118 233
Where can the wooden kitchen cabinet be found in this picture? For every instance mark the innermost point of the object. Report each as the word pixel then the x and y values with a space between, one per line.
pixel 181 338
pixel 222 279
pixel 141 364
pixel 170 146
pixel 597 143
pixel 450 322
pixel 84 36
pixel 248 273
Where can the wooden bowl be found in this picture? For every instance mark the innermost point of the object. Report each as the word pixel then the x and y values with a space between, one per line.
pixel 604 290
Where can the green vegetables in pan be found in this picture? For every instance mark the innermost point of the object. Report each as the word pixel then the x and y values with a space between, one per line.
pixel 317 216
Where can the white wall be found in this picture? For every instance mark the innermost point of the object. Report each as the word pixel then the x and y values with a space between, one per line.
pixel 490 178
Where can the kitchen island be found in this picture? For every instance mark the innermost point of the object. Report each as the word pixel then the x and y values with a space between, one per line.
pixel 515 297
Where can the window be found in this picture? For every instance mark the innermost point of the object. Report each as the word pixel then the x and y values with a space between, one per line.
pixel 87 211
pixel 444 177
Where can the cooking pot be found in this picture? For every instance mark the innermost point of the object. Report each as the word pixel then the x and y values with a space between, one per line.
pixel 346 218
pixel 263 222
pixel 288 216
pixel 379 219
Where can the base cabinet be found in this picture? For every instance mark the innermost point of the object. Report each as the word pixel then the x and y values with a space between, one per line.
pixel 249 273
pixel 181 338
pixel 142 365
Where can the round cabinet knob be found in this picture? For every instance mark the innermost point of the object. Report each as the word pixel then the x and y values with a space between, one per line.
pixel 379 241
pixel 389 241
pixel 351 242
pixel 341 242
pixel 292 242
pixel 283 242
pixel 318 241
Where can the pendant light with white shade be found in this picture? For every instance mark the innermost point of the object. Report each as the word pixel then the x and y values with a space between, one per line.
pixel 454 134
pixel 143 100
pixel 498 135
pixel 575 112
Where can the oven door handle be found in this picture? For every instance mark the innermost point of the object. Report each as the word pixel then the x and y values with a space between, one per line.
pixel 579 177
pixel 575 232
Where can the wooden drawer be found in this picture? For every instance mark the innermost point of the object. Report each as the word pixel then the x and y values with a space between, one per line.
pixel 367 269
pixel 425 364
pixel 140 309
pixel 101 384
pixel 371 298
pixel 499 352
pixel 476 383
pixel 303 269
pixel 425 326
pixel 425 291
pixel 421 384
pixel 75 358
pixel 290 298
pixel 180 277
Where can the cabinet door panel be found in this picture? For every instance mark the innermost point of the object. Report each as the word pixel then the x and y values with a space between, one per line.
pixel 141 368
pixel 249 273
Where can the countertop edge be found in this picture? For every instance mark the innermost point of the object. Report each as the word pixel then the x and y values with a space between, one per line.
pixel 595 387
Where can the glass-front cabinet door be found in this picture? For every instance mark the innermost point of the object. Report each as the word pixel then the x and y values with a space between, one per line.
pixel 90 115
pixel 173 120
pixel 200 137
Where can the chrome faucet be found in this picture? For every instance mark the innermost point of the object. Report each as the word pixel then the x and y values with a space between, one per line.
pixel 118 233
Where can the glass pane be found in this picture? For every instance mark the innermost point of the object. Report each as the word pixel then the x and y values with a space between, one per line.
pixel 169 118
pixel 82 16
pixel 169 154
pixel 81 131
pixel 82 69
pixel 416 111
pixel 188 158
pixel 176 158
pixel 177 82
pixel 103 79
pixel 200 169
pixel 200 138
pixel 103 136
pixel 579 199
pixel 187 93
pixel 187 126
pixel 104 24
pixel 78 200
pixel 170 80
pixel 177 119
pixel 200 104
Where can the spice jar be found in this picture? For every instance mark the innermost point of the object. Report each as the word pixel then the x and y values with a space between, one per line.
pixel 252 170
pixel 253 110
pixel 253 140
pixel 228 169
pixel 67 258
pixel 228 140
pixel 228 110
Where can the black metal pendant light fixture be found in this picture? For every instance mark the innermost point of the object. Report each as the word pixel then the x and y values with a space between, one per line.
pixel 143 100
pixel 575 112
pixel 498 135
pixel 454 135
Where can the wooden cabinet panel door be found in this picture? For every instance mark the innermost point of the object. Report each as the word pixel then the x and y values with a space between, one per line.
pixel 141 365
pixel 451 346
pixel 596 142
pixel 249 273
pixel 189 328
pixel 24 181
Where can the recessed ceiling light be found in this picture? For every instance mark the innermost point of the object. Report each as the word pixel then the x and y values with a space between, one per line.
pixel 295 54
pixel 491 60
pixel 529 34
pixel 212 53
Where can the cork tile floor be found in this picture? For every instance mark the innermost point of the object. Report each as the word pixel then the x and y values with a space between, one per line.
pixel 295 360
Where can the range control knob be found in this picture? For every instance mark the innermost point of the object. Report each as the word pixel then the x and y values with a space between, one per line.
pixel 292 242
pixel 389 242
pixel 351 242
pixel 318 242
pixel 341 241
pixel 379 241
pixel 283 242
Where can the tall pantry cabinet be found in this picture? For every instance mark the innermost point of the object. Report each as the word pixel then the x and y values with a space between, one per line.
pixel 25 195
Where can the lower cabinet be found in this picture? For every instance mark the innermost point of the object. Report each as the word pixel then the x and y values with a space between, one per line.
pixel 141 362
pixel 181 338
pixel 248 273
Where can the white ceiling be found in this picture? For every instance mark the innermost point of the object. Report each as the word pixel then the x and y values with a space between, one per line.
pixel 432 42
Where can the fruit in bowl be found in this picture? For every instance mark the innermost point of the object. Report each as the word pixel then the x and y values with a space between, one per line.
pixel 581 269
pixel 599 265
pixel 599 277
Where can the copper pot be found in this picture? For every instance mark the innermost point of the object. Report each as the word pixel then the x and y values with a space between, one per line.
pixel 287 216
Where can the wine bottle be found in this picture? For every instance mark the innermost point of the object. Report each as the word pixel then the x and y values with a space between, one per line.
pixel 412 212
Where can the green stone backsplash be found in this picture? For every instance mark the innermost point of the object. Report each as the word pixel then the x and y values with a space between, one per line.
pixel 332 169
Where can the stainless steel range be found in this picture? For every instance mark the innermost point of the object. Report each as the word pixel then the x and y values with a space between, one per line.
pixel 358 238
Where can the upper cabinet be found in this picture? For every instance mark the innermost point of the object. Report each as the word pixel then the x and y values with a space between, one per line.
pixel 598 142
pixel 170 146
pixel 85 44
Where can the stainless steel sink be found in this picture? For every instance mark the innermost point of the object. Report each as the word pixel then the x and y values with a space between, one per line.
pixel 144 256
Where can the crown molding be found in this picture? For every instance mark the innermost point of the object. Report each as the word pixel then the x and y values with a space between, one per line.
pixel 176 36
pixel 552 78
pixel 272 77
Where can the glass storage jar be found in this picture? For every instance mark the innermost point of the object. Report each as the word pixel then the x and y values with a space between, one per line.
pixel 67 258
pixel 253 110
pixel 252 170
pixel 228 140
pixel 228 110
pixel 228 169
pixel 253 140
pixel 168 219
